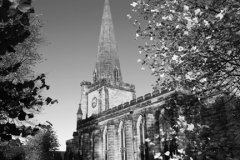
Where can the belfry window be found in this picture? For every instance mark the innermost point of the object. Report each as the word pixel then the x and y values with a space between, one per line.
pixel 116 74
pixel 94 76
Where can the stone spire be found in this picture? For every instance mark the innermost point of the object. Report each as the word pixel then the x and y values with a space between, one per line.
pixel 107 65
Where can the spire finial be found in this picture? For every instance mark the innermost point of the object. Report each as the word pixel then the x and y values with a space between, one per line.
pixel 106 2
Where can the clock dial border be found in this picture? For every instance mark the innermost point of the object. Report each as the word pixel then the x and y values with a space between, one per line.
pixel 94 102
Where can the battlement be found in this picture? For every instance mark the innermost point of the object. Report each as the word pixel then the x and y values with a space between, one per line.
pixel 85 83
pixel 142 101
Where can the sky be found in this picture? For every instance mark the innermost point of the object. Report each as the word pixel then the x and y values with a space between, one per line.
pixel 72 29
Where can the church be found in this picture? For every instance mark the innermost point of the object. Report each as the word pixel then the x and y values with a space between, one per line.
pixel 112 123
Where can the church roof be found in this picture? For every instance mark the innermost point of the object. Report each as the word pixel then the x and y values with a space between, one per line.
pixel 107 56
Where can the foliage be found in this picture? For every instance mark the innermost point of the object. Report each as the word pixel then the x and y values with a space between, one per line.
pixel 14 23
pixel 13 151
pixel 199 130
pixel 26 52
pixel 40 146
pixel 19 98
pixel 194 46
pixel 191 44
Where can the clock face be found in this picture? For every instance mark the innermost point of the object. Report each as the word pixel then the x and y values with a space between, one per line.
pixel 94 102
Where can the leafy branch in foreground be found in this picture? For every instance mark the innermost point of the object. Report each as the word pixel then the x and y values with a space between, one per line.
pixel 20 97
pixel 193 44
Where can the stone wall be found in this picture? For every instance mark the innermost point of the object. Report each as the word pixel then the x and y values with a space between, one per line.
pixel 117 97
pixel 108 125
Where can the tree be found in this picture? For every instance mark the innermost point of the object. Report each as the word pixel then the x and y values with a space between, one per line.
pixel 19 98
pixel 13 151
pixel 39 147
pixel 26 52
pixel 194 46
pixel 192 43
pixel 36 147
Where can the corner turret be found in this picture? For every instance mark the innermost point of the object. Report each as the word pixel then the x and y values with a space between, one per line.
pixel 83 106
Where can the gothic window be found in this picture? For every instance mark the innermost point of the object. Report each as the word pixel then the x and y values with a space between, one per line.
pixel 106 146
pixel 93 145
pixel 80 144
pixel 123 142
pixel 94 76
pixel 141 129
pixel 141 137
pixel 105 143
pixel 116 74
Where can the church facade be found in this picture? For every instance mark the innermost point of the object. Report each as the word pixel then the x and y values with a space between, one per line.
pixel 112 123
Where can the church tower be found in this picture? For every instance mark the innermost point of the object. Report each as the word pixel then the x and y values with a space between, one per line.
pixel 108 89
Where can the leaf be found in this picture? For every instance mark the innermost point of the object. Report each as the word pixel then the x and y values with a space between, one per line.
pixel 54 101
pixel 30 115
pixel 13 113
pixel 147 140
pixel 134 4
pixel 35 131
pixel 190 127
pixel 24 6
pixel 5 137
pixel 27 131
pixel 22 116
pixel 49 123
pixel 152 144
pixel 48 100
pixel 47 87
pixel 167 153
pixel 157 156
pixel 162 111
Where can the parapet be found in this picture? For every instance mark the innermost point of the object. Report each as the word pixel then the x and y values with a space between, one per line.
pixel 85 83
pixel 75 134
pixel 140 102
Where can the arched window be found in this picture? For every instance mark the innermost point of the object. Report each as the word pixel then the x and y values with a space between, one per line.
pixel 116 74
pixel 122 140
pixel 94 75
pixel 93 145
pixel 105 143
pixel 141 137
pixel 80 144
pixel 141 129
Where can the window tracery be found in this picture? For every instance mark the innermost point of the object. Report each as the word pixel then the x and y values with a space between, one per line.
pixel 116 74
